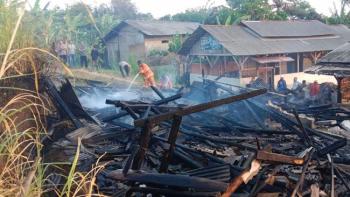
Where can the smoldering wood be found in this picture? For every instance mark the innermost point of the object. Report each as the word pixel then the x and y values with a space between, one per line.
pixel 213 145
pixel 198 108
pixel 60 104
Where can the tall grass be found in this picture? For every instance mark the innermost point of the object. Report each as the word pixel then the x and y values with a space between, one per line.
pixel 22 108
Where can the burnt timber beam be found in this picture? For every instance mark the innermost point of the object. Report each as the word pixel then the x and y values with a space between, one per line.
pixel 157 91
pixel 255 116
pixel 332 147
pixel 144 141
pixel 171 140
pixel 278 158
pixel 302 128
pixel 122 114
pixel 171 180
pixel 198 108
pixel 300 182
pixel 60 104
pixel 168 192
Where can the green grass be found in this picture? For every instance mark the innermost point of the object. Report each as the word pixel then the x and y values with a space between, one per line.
pixel 22 126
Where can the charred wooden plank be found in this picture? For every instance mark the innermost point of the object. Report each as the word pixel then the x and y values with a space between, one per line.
pixel 279 158
pixel 332 148
pixel 305 133
pixel 302 176
pixel 182 155
pixel 157 91
pixel 122 114
pixel 60 104
pixel 245 177
pixel 168 192
pixel 182 181
pixel 198 108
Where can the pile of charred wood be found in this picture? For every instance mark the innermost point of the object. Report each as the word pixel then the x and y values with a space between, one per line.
pixel 232 144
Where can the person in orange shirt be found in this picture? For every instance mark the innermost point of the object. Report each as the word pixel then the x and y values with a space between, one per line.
pixel 147 73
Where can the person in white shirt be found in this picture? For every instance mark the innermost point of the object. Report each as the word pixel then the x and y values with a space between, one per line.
pixel 296 84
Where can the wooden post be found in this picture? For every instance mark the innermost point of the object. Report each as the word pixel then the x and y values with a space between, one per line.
pixel 298 62
pixel 175 127
pixel 145 138
pixel 339 94
pixel 240 61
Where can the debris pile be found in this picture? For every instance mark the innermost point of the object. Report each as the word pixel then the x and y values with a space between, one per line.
pixel 231 143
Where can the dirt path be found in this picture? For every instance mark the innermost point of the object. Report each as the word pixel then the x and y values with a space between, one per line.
pixel 108 78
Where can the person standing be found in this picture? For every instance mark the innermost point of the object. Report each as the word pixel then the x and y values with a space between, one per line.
pixel 71 53
pixel 314 91
pixel 165 82
pixel 296 84
pixel 62 51
pixel 53 49
pixel 94 56
pixel 83 57
pixel 147 73
pixel 124 68
pixel 282 86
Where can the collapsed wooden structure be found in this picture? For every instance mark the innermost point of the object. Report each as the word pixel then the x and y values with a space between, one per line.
pixel 229 145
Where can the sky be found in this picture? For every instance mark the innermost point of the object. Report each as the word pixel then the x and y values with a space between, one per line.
pixel 159 8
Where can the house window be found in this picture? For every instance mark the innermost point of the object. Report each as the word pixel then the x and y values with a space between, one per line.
pixel 291 67
pixel 165 41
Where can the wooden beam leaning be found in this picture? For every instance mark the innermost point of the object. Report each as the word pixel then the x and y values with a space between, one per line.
pixel 171 140
pixel 198 108
pixel 144 142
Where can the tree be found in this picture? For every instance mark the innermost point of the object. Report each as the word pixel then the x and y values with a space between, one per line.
pixel 300 9
pixel 192 15
pixel 339 16
pixel 252 9
pixel 124 9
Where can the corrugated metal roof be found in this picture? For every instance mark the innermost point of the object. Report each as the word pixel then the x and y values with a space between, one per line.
pixel 155 28
pixel 239 40
pixel 340 55
pixel 334 70
pixel 299 28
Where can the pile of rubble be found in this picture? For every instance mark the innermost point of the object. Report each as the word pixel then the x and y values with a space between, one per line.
pixel 211 140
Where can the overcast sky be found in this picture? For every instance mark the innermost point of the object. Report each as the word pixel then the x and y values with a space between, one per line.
pixel 160 8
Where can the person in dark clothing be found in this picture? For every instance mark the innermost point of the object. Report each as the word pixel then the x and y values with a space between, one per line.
pixel 83 57
pixel 94 55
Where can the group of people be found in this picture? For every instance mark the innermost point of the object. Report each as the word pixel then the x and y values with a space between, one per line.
pixel 302 90
pixel 147 73
pixel 68 53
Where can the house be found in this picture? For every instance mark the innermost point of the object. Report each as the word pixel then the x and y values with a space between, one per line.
pixel 267 49
pixel 136 38
pixel 336 64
